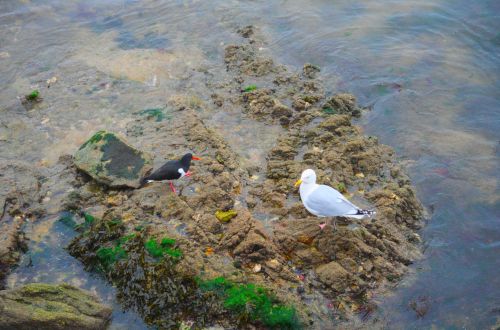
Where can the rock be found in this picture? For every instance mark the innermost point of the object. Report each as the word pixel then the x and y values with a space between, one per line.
pixel 343 103
pixel 333 275
pixel 310 70
pixel 49 306
pixel 225 216
pixel 110 160
pixel 19 193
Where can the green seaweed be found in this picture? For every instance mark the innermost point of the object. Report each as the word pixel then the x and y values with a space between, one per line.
pixel 126 238
pixel 153 113
pixel 68 220
pixel 139 228
pixel 252 303
pixel 87 223
pixel 111 224
pixel 33 96
pixel 167 242
pixel 249 88
pixel 218 284
pixel 109 255
pixel 329 110
pixel 165 247
pixel 94 139
pixel 89 219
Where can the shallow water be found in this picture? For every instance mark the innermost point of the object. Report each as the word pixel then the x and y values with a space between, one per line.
pixel 429 70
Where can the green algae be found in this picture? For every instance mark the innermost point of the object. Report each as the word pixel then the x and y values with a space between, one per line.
pixel 164 248
pixel 33 96
pixel 94 139
pixel 249 88
pixel 156 113
pixel 126 238
pixel 68 220
pixel 329 111
pixel 109 255
pixel 225 216
pixel 88 220
pixel 164 296
pixel 341 187
pixel 252 303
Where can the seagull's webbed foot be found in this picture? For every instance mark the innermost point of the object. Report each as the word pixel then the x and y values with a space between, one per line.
pixel 322 225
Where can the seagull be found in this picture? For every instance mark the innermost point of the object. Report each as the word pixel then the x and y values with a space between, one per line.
pixel 324 201
pixel 171 170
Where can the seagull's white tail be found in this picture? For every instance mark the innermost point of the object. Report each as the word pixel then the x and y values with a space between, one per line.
pixel 362 214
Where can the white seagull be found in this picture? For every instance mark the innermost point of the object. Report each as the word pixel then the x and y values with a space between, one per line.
pixel 324 201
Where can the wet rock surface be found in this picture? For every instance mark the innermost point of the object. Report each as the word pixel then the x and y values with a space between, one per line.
pixel 111 161
pixel 48 306
pixel 270 240
pixel 19 195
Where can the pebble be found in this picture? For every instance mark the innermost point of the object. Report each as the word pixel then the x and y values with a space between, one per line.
pixel 257 268
pixel 51 81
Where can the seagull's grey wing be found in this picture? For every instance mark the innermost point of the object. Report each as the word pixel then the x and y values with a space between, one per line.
pixel 327 201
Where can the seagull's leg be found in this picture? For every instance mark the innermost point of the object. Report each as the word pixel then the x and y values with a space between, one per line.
pixel 334 224
pixel 172 186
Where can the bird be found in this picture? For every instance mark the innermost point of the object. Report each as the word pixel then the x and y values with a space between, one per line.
pixel 324 201
pixel 171 170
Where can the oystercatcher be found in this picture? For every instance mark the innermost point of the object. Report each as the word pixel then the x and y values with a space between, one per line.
pixel 171 170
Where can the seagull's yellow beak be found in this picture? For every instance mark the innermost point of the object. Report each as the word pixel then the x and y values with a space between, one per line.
pixel 299 181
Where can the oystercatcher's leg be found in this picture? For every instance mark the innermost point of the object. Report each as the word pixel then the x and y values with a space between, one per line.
pixel 172 187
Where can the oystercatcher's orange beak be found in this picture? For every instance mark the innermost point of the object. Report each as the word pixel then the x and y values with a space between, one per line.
pixel 196 158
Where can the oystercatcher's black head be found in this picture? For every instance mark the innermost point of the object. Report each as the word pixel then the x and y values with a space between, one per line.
pixel 186 161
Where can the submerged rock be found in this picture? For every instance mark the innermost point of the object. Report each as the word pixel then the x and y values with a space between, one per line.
pixel 110 160
pixel 49 306
pixel 19 196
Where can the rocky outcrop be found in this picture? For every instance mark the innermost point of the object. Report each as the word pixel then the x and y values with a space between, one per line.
pixel 112 161
pixel 272 241
pixel 48 306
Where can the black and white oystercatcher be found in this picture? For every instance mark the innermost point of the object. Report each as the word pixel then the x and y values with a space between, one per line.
pixel 171 170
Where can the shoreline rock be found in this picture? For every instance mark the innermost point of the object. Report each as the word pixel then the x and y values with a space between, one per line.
pixel 110 160
pixel 19 200
pixel 49 306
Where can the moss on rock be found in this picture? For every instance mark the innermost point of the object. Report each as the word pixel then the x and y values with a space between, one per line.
pixel 49 306
pixel 112 161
